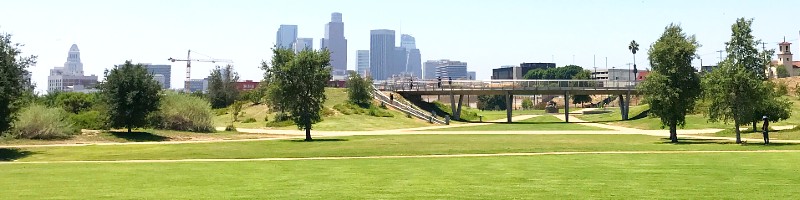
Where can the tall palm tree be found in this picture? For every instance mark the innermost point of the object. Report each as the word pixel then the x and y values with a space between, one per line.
pixel 634 47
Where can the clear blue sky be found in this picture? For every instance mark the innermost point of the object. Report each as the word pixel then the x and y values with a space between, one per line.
pixel 486 34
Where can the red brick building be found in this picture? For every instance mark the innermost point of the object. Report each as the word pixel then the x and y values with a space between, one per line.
pixel 246 85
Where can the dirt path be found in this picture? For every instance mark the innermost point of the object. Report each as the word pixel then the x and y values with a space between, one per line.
pixel 400 157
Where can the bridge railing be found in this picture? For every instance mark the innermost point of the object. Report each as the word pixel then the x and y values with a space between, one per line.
pixel 444 85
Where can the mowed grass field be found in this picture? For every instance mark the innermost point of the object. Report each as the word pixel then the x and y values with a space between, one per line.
pixel 613 176
pixel 390 145
pixel 626 167
pixel 540 123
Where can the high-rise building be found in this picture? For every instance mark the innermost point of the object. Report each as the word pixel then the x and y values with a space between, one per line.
pixel 446 69
pixel 336 43
pixel 161 73
pixel 303 43
pixel 362 62
pixel 286 36
pixel 408 41
pixel 70 76
pixel 472 75
pixel 399 62
pixel 414 63
pixel 381 51
pixel 413 57
pixel 74 65
pixel 430 70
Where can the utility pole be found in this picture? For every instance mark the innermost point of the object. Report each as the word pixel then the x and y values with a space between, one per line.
pixel 720 57
pixel 594 64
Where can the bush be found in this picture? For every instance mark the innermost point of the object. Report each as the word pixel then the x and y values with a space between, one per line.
pixel 40 122
pixel 93 120
pixel 378 112
pixel 230 128
pixel 797 90
pixel 284 123
pixel 249 120
pixel 266 118
pixel 185 113
pixel 281 116
pixel 781 88
pixel 327 112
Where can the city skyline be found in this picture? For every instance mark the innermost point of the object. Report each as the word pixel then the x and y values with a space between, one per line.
pixel 243 31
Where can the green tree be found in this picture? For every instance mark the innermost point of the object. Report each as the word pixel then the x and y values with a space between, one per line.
pixel 773 104
pixel 736 91
pixel 75 102
pixel 13 84
pixel 131 94
pixel 565 72
pixel 298 83
pixel 672 87
pixel 782 72
pixel 222 90
pixel 492 102
pixel 527 104
pixel 358 90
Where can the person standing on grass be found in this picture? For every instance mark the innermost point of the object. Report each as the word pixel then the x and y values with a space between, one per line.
pixel 765 130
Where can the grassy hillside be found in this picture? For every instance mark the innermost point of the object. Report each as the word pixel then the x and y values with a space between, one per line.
pixel 336 122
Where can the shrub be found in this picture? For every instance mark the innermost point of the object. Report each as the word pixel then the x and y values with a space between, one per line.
pixel 185 113
pixel 781 88
pixel 230 128
pixel 282 116
pixel 40 122
pixel 93 120
pixel 797 90
pixel 327 112
pixel 378 112
pixel 283 123
pixel 266 118
pixel 249 120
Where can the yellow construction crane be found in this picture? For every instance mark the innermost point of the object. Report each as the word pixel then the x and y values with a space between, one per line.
pixel 189 60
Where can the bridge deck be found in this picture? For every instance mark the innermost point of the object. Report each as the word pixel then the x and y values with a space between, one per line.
pixel 514 87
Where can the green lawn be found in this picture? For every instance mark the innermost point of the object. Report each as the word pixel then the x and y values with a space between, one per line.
pixel 491 115
pixel 792 134
pixel 697 121
pixel 374 145
pixel 541 123
pixel 137 136
pixel 645 176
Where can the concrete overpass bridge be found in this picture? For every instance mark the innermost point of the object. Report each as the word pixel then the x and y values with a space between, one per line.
pixel 509 88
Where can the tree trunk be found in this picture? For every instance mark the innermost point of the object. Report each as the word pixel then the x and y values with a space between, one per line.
pixel 738 133
pixel 754 126
pixel 129 129
pixel 673 133
pixel 308 132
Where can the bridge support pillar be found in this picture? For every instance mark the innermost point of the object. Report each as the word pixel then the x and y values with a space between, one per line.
pixel 458 107
pixel 453 107
pixel 623 106
pixel 509 106
pixel 628 105
pixel 566 106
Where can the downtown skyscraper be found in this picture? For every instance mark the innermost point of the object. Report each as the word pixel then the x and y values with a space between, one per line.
pixel 362 62
pixel 413 62
pixel 336 43
pixel 286 36
pixel 381 53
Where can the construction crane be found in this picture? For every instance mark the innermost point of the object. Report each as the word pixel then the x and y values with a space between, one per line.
pixel 189 66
